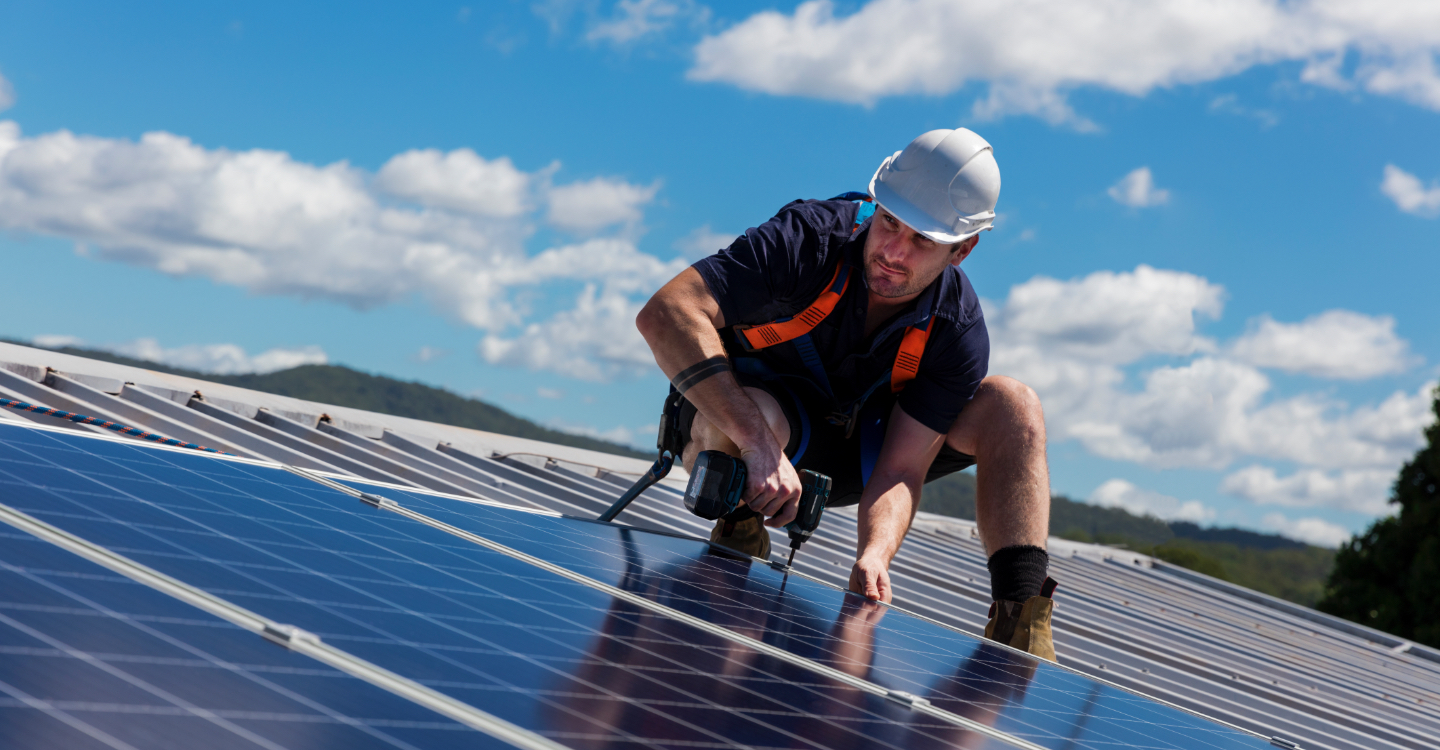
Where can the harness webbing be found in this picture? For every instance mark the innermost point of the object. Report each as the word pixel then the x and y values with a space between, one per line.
pixel 770 334
pixel 907 360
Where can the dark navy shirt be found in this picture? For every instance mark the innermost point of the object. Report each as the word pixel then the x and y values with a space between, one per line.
pixel 778 269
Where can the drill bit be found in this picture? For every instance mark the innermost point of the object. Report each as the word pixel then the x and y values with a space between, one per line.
pixel 791 561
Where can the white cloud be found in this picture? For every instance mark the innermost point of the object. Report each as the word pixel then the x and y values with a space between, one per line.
pixel 703 241
pixel 1072 340
pixel 1316 531
pixel 1118 493
pixel 596 341
pixel 586 207
pixel 1229 104
pixel 7 94
pixel 56 341
pixel 634 19
pixel 264 222
pixel 1360 490
pixel 1137 190
pixel 1409 193
pixel 215 359
pixel 642 436
pixel 1334 344
pixel 1033 52
pixel 460 180
pixel 549 393
pixel 430 354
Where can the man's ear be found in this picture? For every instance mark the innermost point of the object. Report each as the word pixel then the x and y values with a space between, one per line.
pixel 963 249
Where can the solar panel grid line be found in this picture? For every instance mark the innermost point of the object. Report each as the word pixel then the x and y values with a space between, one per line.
pixel 333 481
pixel 911 725
pixel 703 625
pixel 272 443
pixel 490 474
pixel 1193 698
pixel 176 700
pixel 1340 709
pixel 1180 685
pixel 1338 654
pixel 265 627
pixel 258 445
pixel 1141 635
pixel 157 640
pixel 469 483
pixel 322 441
pixel 581 500
pixel 119 410
pixel 1027 657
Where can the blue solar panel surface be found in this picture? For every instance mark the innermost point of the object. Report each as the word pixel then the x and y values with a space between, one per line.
pixel 90 659
pixel 539 650
pixel 1014 693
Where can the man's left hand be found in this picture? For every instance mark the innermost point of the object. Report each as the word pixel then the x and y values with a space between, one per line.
pixel 870 577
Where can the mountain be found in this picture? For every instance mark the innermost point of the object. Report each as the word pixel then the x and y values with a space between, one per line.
pixel 1269 563
pixel 344 386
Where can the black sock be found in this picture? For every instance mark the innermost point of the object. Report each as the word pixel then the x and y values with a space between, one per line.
pixel 1017 573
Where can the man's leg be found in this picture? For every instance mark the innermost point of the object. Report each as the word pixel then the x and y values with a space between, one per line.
pixel 1004 429
pixel 749 536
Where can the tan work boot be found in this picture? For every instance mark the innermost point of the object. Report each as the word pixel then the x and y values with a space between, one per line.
pixel 1025 626
pixel 748 537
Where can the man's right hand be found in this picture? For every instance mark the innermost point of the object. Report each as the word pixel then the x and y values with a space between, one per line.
pixel 772 487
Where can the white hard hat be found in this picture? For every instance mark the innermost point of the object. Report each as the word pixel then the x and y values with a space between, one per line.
pixel 944 185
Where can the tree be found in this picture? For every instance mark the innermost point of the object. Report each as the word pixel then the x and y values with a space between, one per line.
pixel 1389 577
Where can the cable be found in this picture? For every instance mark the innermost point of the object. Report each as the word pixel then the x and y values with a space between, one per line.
pixel 120 428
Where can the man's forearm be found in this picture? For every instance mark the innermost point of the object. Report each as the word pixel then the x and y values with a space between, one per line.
pixel 681 338
pixel 887 507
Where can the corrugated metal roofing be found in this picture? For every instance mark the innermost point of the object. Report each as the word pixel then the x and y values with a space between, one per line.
pixel 1259 663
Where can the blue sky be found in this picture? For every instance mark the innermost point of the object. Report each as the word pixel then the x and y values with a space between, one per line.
pixel 1215 259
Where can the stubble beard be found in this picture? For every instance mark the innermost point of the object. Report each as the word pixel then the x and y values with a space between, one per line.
pixel 890 289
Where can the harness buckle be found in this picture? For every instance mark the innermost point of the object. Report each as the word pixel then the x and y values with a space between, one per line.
pixel 846 420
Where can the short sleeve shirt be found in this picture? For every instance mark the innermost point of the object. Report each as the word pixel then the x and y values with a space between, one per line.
pixel 779 268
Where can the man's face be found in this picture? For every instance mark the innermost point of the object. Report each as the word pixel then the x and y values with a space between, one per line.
pixel 901 262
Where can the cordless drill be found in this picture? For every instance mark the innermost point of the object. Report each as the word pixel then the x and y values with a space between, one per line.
pixel 718 481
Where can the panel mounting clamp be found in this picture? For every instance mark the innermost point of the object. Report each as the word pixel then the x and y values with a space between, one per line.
pixel 378 501
pixel 1282 742
pixel 906 699
pixel 288 634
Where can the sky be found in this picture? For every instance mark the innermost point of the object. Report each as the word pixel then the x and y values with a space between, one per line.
pixel 1215 258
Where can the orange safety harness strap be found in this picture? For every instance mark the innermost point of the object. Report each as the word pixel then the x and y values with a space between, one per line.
pixel 907 360
pixel 770 334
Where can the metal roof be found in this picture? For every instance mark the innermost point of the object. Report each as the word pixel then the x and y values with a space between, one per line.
pixel 1262 664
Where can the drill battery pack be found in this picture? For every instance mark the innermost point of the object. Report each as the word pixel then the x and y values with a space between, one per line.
pixel 716 485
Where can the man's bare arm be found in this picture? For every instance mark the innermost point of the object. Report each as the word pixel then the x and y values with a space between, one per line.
pixel 681 324
pixel 890 499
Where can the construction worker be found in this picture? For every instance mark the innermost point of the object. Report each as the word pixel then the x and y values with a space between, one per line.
pixel 841 336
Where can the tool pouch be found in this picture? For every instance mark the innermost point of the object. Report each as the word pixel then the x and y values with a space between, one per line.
pixel 670 437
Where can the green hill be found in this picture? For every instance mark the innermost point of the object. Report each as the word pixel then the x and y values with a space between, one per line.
pixel 1269 563
pixel 343 386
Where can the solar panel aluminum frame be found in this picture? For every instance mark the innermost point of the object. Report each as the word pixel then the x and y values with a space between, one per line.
pixel 289 636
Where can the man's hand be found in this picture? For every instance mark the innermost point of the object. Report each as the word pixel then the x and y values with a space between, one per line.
pixel 771 485
pixel 870 577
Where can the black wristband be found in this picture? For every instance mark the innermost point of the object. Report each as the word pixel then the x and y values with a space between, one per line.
pixel 690 376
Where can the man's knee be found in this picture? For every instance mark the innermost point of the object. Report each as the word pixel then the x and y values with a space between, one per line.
pixel 1014 402
pixel 707 436
pixel 1004 409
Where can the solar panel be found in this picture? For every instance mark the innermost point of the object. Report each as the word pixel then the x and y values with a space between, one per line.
pixel 1013 692
pixel 90 659
pixel 544 652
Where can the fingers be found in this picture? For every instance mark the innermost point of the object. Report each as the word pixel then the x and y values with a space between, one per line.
pixel 871 581
pixel 787 513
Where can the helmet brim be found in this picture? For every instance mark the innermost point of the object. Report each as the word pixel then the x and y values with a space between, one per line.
pixel 911 216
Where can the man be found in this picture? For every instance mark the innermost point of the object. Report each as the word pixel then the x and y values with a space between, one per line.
pixel 853 345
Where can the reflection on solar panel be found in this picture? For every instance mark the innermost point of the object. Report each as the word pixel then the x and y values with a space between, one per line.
pixel 92 659
pixel 536 649
pixel 1013 692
